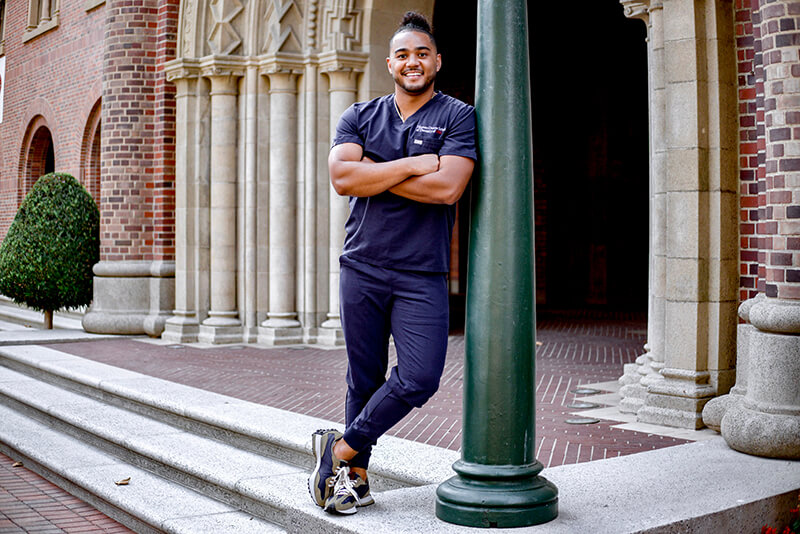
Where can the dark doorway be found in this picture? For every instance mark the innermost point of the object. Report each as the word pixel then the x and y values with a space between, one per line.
pixel 591 148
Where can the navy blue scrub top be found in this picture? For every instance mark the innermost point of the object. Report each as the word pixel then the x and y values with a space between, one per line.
pixel 388 230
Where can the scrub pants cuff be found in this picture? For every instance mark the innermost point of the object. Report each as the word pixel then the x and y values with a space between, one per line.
pixel 357 442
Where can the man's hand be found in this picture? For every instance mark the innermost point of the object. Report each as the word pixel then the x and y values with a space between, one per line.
pixel 424 164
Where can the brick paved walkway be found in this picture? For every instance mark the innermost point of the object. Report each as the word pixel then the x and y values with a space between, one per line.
pixel 29 503
pixel 575 350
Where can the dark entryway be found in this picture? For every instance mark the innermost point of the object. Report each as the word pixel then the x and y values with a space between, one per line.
pixel 591 149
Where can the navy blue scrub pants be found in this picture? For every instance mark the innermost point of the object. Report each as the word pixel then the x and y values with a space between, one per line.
pixel 412 306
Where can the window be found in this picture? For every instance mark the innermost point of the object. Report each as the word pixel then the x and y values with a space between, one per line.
pixel 42 17
pixel 2 25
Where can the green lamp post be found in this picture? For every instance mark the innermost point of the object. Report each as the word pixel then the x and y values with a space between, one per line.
pixel 497 482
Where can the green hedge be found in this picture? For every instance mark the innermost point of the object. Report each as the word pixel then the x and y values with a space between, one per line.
pixel 47 256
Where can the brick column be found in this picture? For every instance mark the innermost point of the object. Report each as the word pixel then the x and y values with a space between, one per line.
pixel 767 421
pixel 223 324
pixel 134 281
pixel 281 325
pixel 343 77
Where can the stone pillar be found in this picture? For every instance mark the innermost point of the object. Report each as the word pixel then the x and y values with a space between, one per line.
pixel 223 324
pixel 715 410
pixel 343 76
pixel 281 326
pixel 767 421
pixel 701 268
pixel 638 375
pixel 183 326
pixel 249 289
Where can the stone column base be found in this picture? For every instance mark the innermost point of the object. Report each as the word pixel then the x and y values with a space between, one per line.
pixel 767 421
pixel 280 331
pixel 182 327
pixel 330 333
pixel 131 297
pixel 219 334
pixel 716 408
pixel 677 400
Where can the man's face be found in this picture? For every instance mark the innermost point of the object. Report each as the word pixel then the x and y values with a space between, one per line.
pixel 413 62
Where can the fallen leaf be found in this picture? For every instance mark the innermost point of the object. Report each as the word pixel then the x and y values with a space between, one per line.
pixel 16 464
pixel 538 343
pixel 123 482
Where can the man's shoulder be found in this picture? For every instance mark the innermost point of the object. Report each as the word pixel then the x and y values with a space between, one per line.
pixel 374 103
pixel 453 103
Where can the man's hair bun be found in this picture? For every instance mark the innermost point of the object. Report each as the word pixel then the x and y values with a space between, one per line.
pixel 413 21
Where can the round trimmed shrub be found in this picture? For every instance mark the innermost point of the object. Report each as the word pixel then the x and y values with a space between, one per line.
pixel 46 258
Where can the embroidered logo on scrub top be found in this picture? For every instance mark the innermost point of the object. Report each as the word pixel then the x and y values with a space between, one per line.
pixel 428 133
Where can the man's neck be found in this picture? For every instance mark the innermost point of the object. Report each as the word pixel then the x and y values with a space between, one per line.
pixel 408 104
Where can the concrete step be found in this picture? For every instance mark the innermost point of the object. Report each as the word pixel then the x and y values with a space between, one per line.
pixel 274 433
pixel 245 456
pixel 149 503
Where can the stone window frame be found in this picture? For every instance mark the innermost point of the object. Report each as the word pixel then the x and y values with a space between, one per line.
pixel 3 4
pixel 43 16
pixel 91 4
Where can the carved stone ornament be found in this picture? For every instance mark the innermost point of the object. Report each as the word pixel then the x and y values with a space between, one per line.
pixel 341 25
pixel 284 20
pixel 636 9
pixel 223 38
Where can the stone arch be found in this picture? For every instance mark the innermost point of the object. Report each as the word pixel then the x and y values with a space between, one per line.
pixel 90 153
pixel 38 155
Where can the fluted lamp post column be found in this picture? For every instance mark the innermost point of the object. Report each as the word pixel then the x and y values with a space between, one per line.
pixel 497 482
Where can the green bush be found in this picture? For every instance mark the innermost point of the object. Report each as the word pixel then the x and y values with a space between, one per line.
pixel 47 256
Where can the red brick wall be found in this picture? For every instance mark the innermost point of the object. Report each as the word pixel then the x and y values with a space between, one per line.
pixel 138 133
pixel 56 76
pixel 780 226
pixel 748 149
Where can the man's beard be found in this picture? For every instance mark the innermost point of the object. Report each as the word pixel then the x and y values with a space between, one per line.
pixel 412 90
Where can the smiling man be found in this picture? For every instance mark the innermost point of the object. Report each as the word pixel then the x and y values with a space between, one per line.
pixel 404 160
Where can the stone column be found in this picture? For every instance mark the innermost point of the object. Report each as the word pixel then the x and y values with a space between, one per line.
pixel 249 212
pixel 223 324
pixel 183 326
pixel 639 375
pixel 281 326
pixel 767 421
pixel 701 270
pixel 343 76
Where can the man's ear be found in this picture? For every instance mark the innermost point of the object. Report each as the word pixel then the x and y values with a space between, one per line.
pixel 438 62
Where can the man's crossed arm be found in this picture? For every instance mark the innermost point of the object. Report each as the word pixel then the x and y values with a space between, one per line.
pixel 425 178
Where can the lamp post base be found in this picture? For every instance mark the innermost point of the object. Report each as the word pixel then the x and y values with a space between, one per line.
pixel 492 500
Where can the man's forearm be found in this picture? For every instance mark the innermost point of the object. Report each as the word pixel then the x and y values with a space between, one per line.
pixel 366 178
pixel 444 186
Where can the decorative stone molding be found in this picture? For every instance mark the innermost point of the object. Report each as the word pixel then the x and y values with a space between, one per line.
pixel 283 18
pixel 311 24
pixel 222 66
pixel 281 63
pixel 178 69
pixel 342 26
pixel 342 61
pixel 223 38
pixel 636 9
pixel 776 315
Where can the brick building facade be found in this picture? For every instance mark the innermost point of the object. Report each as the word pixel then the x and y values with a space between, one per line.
pixel 202 127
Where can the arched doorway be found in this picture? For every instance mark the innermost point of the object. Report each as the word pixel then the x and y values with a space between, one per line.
pixel 90 154
pixel 591 151
pixel 39 156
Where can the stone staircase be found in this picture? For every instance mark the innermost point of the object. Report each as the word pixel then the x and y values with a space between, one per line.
pixel 197 461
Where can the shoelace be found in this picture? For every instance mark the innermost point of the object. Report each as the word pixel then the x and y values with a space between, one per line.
pixel 343 484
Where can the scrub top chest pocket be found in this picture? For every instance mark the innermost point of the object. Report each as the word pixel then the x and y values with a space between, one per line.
pixel 425 140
